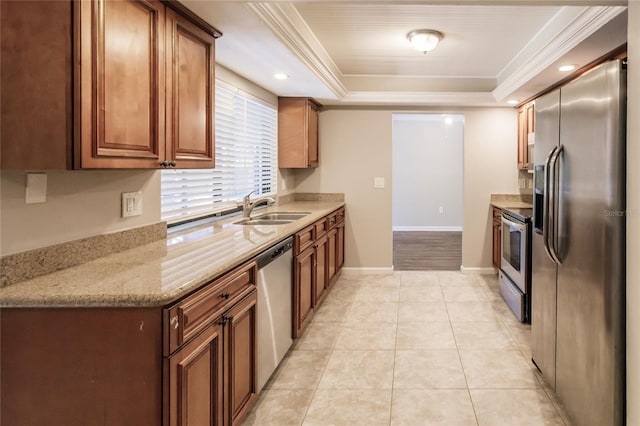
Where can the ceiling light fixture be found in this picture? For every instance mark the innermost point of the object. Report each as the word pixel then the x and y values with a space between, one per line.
pixel 512 102
pixel 567 68
pixel 280 76
pixel 424 40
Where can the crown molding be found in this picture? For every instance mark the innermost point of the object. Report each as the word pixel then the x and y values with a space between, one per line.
pixel 420 98
pixel 287 24
pixel 581 26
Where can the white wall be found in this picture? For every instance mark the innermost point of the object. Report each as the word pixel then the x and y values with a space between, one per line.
pixel 427 171
pixel 633 218
pixel 355 147
pixel 79 204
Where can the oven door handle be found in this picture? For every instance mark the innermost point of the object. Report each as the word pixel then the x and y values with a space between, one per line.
pixel 551 205
pixel 546 223
pixel 511 224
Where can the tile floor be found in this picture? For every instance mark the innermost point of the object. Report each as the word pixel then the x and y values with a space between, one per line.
pixel 412 348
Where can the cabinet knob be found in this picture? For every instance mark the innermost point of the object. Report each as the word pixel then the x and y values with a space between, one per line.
pixel 225 295
pixel 172 164
pixel 164 164
pixel 174 322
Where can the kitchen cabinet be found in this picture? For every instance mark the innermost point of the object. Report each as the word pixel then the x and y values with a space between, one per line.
pixel 304 283
pixel 212 378
pixel 497 236
pixel 526 126
pixel 190 363
pixel 318 259
pixel 97 93
pixel 298 133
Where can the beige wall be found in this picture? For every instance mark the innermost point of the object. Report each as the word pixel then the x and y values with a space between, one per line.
pixel 355 147
pixel 633 219
pixel 79 204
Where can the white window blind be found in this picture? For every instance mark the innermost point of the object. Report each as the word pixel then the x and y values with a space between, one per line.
pixel 246 160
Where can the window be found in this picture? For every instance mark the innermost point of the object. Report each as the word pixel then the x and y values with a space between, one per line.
pixel 246 160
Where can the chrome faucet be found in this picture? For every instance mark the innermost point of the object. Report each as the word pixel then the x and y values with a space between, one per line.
pixel 248 206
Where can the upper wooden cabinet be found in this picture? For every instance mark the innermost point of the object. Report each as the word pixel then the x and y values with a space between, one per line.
pixel 526 126
pixel 297 133
pixel 96 94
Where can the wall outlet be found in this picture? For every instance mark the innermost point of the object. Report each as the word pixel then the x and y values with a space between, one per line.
pixel 378 182
pixel 441 210
pixel 131 204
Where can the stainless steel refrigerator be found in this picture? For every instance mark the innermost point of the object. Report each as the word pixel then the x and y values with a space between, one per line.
pixel 578 246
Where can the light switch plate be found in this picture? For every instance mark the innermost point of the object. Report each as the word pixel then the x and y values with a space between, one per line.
pixel 36 188
pixel 378 182
pixel 131 204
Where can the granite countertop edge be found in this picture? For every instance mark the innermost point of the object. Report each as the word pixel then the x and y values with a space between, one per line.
pixel 56 290
pixel 507 204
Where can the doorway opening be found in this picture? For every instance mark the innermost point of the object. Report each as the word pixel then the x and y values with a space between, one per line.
pixel 427 172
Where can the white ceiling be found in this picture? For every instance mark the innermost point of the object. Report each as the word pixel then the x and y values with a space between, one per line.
pixel 357 53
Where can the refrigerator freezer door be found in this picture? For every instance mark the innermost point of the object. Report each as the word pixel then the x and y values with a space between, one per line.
pixel 590 308
pixel 543 276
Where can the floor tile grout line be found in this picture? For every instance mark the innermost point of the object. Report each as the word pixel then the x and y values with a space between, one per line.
pixel 395 357
pixel 475 414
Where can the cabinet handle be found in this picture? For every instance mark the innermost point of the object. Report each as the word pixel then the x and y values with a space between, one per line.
pixel 223 321
pixel 164 164
pixel 225 295
pixel 172 164
pixel 174 322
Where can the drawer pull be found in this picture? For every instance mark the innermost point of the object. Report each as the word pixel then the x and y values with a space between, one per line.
pixel 225 295
pixel 174 322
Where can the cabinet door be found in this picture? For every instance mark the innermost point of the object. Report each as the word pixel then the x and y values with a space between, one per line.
pixel 340 247
pixel 121 84
pixel 312 135
pixel 195 375
pixel 240 333
pixel 522 138
pixel 531 117
pixel 303 290
pixel 321 283
pixel 332 236
pixel 190 94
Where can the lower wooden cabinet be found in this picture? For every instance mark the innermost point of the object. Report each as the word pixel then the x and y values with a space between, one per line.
pixel 318 259
pixel 212 379
pixel 193 363
pixel 497 237
pixel 195 381
pixel 240 352
pixel 304 282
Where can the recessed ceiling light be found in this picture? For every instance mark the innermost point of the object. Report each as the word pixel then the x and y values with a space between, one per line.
pixel 280 76
pixel 567 68
pixel 512 102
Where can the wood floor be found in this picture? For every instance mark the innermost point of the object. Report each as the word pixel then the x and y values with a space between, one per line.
pixel 427 251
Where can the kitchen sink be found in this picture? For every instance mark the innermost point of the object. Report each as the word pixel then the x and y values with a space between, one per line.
pixel 272 219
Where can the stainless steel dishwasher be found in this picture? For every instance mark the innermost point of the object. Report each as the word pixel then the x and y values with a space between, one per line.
pixel 275 287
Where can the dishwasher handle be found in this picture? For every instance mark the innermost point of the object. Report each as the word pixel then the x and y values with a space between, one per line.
pixel 274 252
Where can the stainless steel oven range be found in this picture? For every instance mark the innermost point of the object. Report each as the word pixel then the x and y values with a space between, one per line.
pixel 515 261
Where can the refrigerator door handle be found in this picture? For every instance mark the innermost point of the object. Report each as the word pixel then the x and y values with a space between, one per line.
pixel 546 222
pixel 555 242
pixel 552 208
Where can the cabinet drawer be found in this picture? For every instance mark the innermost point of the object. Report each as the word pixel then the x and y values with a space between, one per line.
pixel 332 219
pixel 340 216
pixel 193 314
pixel 320 228
pixel 304 239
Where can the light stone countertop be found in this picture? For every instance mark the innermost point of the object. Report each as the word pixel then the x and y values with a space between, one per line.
pixel 159 273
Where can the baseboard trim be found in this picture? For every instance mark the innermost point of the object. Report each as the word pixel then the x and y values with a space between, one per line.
pixel 368 271
pixel 477 271
pixel 428 228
